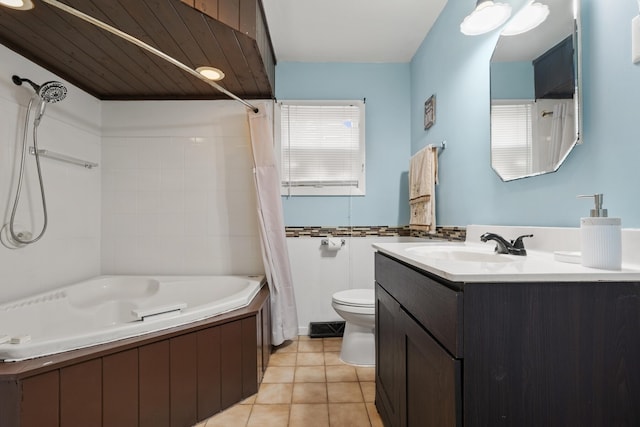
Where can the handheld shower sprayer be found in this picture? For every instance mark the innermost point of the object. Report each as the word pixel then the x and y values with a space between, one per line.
pixel 46 93
pixel 49 92
pixel 52 92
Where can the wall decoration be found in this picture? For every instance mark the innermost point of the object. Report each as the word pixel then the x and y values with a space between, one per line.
pixel 429 112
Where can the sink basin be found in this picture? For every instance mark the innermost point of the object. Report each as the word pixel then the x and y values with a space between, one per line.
pixel 463 254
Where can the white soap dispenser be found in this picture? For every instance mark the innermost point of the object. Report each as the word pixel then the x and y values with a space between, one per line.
pixel 601 238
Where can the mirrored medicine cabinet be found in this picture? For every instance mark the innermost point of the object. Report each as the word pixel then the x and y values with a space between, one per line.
pixel 535 95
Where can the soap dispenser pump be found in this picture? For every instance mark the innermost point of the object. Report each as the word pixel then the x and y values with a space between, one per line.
pixel 601 238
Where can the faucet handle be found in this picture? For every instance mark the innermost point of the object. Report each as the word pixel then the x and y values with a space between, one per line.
pixel 518 243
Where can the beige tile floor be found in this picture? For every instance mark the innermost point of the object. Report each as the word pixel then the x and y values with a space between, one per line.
pixel 306 384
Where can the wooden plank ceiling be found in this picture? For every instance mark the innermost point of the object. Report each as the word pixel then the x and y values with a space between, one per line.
pixel 227 34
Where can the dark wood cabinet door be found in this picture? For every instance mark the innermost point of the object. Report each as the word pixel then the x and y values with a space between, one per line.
pixel 552 354
pixel 388 357
pixel 432 380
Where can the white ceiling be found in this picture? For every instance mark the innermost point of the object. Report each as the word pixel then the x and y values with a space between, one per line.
pixel 530 45
pixel 349 30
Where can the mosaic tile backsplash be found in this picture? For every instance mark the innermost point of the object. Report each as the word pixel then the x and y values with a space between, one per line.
pixel 454 234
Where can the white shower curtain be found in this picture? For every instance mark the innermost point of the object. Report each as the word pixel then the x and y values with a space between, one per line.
pixel 284 318
pixel 562 133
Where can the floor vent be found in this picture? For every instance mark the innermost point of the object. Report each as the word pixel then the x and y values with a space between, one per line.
pixel 326 329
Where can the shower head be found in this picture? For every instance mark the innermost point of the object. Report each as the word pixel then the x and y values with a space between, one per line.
pixel 52 91
pixel 49 92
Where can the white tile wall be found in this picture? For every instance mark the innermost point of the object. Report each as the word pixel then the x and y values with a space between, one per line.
pixel 178 194
pixel 317 275
pixel 70 249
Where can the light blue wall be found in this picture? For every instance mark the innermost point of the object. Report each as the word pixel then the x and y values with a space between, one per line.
pixel 512 80
pixel 388 141
pixel 456 68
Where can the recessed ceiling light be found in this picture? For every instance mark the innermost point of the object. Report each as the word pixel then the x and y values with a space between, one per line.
pixel 211 73
pixel 487 16
pixel 527 19
pixel 17 4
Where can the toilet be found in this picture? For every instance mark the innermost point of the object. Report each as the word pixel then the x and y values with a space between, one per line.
pixel 357 307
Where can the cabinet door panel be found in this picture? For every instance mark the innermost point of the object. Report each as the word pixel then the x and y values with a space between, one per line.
pixel 388 357
pixel 432 382
pixel 436 307
pixel 552 354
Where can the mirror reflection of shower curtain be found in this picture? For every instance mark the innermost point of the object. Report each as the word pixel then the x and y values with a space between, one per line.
pixel 562 132
pixel 284 317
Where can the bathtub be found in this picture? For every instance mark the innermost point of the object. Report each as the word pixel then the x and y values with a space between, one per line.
pixel 109 308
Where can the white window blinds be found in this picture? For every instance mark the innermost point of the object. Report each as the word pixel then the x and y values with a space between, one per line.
pixel 511 139
pixel 322 148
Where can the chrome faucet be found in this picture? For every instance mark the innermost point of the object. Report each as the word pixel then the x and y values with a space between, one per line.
pixel 503 246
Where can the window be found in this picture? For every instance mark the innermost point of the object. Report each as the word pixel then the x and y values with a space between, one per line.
pixel 511 138
pixel 322 148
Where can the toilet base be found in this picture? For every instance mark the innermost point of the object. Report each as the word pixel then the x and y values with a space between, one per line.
pixel 358 345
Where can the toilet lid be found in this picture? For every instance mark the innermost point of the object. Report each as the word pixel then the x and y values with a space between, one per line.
pixel 356 297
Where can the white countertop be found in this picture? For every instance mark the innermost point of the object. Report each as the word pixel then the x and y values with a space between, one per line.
pixel 536 266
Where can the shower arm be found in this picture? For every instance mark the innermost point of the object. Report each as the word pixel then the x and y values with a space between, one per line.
pixel 145 46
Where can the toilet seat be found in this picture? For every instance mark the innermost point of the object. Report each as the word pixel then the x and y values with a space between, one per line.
pixel 364 298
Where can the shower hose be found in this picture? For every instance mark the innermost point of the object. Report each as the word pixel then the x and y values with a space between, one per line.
pixel 20 237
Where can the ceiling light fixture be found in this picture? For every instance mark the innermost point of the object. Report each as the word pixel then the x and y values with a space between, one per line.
pixel 17 4
pixel 527 19
pixel 487 16
pixel 211 73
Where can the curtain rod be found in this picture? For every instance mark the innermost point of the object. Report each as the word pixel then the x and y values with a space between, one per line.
pixel 145 46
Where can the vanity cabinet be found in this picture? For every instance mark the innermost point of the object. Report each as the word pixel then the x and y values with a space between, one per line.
pixel 418 376
pixel 388 356
pixel 505 354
